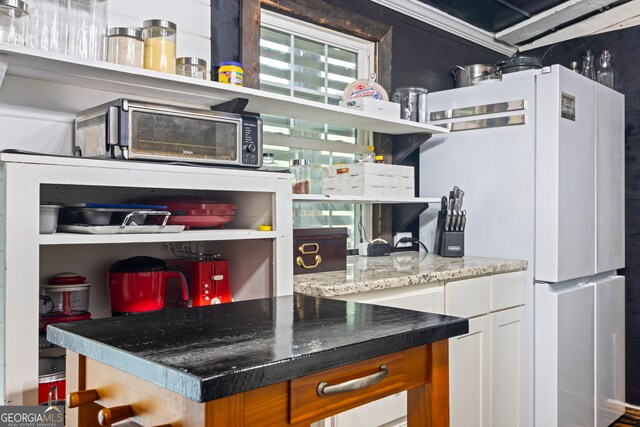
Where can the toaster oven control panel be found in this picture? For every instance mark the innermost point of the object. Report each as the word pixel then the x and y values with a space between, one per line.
pixel 251 141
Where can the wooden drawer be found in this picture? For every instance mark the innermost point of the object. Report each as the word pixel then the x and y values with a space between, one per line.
pixel 467 298
pixel 508 290
pixel 406 369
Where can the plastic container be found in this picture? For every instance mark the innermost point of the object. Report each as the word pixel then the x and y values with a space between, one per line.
pixel 125 47
pixel 160 45
pixel 14 16
pixel 87 28
pixel 370 155
pixel 301 169
pixel 230 73
pixel 191 67
pixel 48 25
pixel 49 218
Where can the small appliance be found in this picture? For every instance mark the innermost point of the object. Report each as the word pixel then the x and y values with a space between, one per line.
pixel 126 129
pixel 64 299
pixel 139 284
pixel 208 276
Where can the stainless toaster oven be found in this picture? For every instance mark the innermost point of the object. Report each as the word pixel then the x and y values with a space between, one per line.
pixel 126 129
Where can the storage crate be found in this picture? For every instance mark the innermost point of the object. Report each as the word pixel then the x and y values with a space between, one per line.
pixel 373 180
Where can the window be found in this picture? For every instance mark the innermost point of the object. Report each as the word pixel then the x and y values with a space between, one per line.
pixel 313 63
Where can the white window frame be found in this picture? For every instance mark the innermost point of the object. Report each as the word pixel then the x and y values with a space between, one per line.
pixel 366 53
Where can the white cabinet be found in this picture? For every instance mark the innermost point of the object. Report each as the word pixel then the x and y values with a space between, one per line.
pixel 507 341
pixel 260 262
pixel 485 365
pixel 469 374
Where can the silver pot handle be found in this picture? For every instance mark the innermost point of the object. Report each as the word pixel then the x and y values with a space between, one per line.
pixel 324 389
pixel 458 67
pixel 166 214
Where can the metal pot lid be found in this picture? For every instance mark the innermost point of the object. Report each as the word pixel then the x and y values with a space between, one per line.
pixel 518 61
pixel 162 23
pixel 138 264
pixel 126 32
pixel 19 5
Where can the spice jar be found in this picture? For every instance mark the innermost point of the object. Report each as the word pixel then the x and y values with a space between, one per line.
pixel 159 45
pixel 126 47
pixel 14 15
pixel 301 169
pixel 230 73
pixel 192 67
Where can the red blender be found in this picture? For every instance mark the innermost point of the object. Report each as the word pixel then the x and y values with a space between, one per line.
pixel 64 299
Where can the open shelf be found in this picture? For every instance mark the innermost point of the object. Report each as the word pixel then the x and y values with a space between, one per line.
pixel 185 236
pixel 319 198
pixel 27 65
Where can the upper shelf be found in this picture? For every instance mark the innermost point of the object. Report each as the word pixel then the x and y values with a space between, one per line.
pixel 320 198
pixel 123 81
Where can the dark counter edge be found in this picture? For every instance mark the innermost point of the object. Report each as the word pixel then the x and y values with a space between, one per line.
pixel 203 390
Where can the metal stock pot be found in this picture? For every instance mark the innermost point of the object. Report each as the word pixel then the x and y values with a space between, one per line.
pixel 469 75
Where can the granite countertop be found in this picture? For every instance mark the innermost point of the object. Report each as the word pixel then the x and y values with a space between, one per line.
pixel 399 269
pixel 205 353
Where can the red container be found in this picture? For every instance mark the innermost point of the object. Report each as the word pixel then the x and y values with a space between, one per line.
pixel 45 385
pixel 139 284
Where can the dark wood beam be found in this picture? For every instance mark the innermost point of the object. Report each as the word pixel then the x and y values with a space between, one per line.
pixel 250 42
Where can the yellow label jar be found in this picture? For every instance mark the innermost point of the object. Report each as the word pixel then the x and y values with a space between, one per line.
pixel 159 45
pixel 230 73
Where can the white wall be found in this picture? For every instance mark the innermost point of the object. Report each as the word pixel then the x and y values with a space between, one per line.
pixel 51 132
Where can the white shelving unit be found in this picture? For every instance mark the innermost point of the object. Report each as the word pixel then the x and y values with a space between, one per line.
pixel 34 65
pixel 260 262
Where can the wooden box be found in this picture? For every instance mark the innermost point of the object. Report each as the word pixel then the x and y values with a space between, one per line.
pixel 319 249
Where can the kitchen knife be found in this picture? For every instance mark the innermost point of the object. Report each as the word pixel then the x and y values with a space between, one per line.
pixel 459 200
pixel 447 220
pixel 464 220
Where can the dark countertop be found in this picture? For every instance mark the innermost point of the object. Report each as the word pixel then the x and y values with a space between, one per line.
pixel 206 353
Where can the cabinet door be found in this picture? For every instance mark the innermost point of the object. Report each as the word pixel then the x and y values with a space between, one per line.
pixel 507 341
pixel 469 389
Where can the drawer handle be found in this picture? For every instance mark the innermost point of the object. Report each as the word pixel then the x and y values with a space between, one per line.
pixel 301 263
pixel 304 251
pixel 324 389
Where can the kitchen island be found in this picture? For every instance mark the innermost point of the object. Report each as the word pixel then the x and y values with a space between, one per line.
pixel 289 360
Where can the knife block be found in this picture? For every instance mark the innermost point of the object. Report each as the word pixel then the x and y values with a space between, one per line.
pixel 448 243
pixel 452 244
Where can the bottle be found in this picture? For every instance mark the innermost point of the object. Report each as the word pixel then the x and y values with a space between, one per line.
pixel 379 159
pixel 370 155
pixel 574 67
pixel 587 65
pixel 301 169
pixel 268 162
pixel 606 76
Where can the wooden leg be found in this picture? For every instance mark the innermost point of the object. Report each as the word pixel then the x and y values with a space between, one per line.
pixel 85 415
pixel 428 405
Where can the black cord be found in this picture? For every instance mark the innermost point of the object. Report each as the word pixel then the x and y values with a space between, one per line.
pixel 410 240
pixel 363 233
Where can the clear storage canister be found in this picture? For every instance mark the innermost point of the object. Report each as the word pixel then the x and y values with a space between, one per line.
pixel 14 16
pixel 192 67
pixel 87 28
pixel 48 25
pixel 159 45
pixel 125 47
pixel 301 169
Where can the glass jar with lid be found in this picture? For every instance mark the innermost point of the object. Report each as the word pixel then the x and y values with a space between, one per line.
pixel 160 45
pixel 48 25
pixel 301 169
pixel 14 16
pixel 191 67
pixel 125 47
pixel 87 28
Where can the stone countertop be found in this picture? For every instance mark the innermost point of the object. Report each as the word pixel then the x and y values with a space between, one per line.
pixel 205 353
pixel 365 274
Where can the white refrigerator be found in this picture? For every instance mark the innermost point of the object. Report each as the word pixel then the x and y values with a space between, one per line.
pixel 540 157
